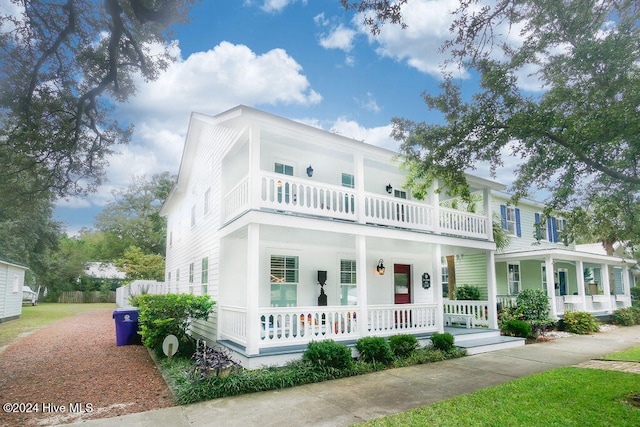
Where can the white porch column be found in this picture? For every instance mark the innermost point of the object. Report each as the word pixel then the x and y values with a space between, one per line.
pixel 551 287
pixel 434 201
pixel 486 196
pixel 358 161
pixel 253 285
pixel 436 281
pixel 361 274
pixel 580 282
pixel 492 291
pixel 255 186
pixel 606 286
pixel 626 288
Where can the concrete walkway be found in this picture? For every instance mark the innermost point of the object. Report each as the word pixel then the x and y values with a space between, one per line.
pixel 351 400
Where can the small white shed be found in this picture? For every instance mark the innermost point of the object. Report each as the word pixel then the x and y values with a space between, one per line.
pixel 11 283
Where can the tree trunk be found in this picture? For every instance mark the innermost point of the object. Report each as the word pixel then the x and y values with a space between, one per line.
pixel 451 270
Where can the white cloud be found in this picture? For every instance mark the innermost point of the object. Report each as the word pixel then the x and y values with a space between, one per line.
pixel 277 5
pixel 340 37
pixel 378 136
pixel 207 82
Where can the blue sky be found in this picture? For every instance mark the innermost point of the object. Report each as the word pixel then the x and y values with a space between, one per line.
pixel 310 61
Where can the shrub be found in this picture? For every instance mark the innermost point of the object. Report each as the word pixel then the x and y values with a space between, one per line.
pixel 162 315
pixel 516 328
pixel 635 292
pixel 580 322
pixel 467 292
pixel 374 350
pixel 328 354
pixel 403 345
pixel 532 306
pixel 626 316
pixel 443 342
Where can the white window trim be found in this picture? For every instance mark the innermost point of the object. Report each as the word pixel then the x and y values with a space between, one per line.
pixel 519 278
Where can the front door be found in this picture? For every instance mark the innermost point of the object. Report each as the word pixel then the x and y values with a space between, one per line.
pixel 562 281
pixel 402 283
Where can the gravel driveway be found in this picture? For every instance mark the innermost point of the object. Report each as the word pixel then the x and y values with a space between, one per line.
pixel 72 370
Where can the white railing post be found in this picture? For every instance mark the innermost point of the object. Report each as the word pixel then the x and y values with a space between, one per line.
pixel 492 291
pixel 358 160
pixel 361 288
pixel 606 286
pixel 551 286
pixel 437 284
pixel 253 287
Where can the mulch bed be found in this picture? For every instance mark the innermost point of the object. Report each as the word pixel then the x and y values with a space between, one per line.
pixel 72 370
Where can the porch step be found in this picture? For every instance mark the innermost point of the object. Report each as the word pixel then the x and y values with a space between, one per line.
pixel 486 345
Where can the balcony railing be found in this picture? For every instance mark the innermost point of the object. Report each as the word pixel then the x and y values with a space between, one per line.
pixel 286 193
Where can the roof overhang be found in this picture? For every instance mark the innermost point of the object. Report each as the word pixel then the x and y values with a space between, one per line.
pixel 562 254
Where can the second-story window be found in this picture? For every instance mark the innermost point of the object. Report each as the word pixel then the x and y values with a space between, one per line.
pixel 284 188
pixel 540 227
pixel 348 180
pixel 511 220
pixel 191 268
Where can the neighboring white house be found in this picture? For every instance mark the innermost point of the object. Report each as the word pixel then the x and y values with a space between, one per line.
pixel 576 277
pixel 264 207
pixel 11 283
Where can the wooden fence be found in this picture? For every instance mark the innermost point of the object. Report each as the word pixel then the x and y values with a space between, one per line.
pixel 79 297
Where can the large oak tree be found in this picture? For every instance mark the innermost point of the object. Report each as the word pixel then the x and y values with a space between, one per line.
pixel 578 138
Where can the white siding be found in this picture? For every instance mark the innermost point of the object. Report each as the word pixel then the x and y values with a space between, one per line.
pixel 10 301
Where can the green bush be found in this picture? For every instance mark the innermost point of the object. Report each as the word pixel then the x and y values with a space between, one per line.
pixel 467 292
pixel 580 322
pixel 516 328
pixel 443 342
pixel 635 292
pixel 532 306
pixel 403 345
pixel 328 354
pixel 628 316
pixel 162 315
pixel 374 350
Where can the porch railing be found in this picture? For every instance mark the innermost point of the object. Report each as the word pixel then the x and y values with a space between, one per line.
pixel 478 309
pixel 292 194
pixel 408 318
pixel 299 325
pixel 461 223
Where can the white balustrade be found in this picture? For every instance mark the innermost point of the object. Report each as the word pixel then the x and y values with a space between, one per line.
pixel 298 325
pixel 233 323
pixel 287 193
pixel 479 310
pixel 506 301
pixel 559 302
pixel 398 212
pixel 409 318
pixel 461 223
pixel 236 200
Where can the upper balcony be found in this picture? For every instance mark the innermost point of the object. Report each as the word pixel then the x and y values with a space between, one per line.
pixel 349 181
pixel 282 193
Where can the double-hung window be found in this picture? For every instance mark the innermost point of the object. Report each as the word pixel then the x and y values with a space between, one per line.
pixel 284 188
pixel 348 282
pixel 205 275
pixel 191 268
pixel 513 278
pixel 510 217
pixel 284 281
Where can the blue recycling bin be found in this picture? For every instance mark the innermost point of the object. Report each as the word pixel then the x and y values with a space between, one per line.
pixel 127 326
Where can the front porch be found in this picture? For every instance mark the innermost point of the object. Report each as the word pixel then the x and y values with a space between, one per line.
pixel 594 304
pixel 283 333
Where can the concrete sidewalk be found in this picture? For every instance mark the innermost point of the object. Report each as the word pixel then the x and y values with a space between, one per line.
pixel 351 400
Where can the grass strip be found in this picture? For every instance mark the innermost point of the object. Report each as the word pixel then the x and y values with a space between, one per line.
pixel 560 397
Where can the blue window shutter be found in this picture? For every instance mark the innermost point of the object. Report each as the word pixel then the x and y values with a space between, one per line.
pixel 518 228
pixel 564 228
pixel 538 234
pixel 555 230
pixel 503 215
pixel 550 229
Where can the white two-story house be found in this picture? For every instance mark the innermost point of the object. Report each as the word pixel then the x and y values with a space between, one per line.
pixel 575 277
pixel 300 234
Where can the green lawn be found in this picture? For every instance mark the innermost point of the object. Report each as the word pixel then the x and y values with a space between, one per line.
pixel 43 314
pixel 632 355
pixel 560 397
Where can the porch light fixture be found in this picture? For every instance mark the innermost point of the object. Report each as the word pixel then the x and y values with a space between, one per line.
pixel 309 171
pixel 389 188
pixel 380 267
